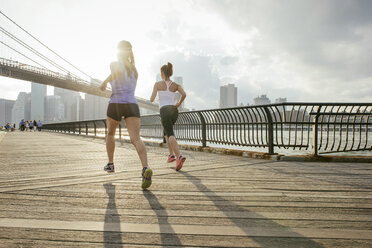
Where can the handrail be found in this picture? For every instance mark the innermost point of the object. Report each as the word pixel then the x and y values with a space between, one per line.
pixel 320 127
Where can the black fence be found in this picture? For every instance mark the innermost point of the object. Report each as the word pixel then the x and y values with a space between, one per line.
pixel 321 127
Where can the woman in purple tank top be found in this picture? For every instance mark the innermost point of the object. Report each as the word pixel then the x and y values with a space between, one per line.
pixel 123 80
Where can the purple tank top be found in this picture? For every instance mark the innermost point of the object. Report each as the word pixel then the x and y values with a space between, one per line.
pixel 123 88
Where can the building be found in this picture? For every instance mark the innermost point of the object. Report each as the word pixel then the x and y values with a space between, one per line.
pixel 179 80
pixel 228 96
pixel 28 107
pixel 281 100
pixel 21 108
pixel 6 111
pixel 81 109
pixel 95 107
pixel 261 100
pixel 158 77
pixel 54 109
pixel 38 94
pixel 71 101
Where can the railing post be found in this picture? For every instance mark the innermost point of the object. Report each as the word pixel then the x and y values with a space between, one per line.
pixel 86 128
pixel 270 126
pixel 95 128
pixel 120 131
pixel 315 132
pixel 104 121
pixel 204 130
pixel 315 136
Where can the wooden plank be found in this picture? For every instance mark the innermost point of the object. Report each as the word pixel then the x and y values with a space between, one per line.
pixel 59 196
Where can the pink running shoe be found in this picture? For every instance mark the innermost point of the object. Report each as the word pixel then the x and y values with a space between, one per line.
pixel 171 158
pixel 180 161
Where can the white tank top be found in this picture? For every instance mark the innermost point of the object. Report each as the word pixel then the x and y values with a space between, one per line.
pixel 166 97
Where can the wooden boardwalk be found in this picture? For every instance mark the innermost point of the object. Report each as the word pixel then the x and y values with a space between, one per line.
pixel 54 193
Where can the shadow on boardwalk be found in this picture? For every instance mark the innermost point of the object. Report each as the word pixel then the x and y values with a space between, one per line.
pixel 112 220
pixel 168 236
pixel 266 242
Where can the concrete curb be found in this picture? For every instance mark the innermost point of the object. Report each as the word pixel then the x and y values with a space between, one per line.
pixel 255 155
pixel 333 159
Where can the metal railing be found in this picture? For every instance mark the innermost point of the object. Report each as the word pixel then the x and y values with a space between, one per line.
pixel 321 127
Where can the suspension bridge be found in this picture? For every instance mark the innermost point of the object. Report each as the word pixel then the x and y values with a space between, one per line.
pixel 36 66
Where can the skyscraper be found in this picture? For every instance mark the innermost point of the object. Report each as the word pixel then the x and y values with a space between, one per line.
pixel 228 96
pixel 71 101
pixel 82 109
pixel 38 94
pixel 6 111
pixel 95 107
pixel 19 110
pixel 158 77
pixel 54 109
pixel 179 80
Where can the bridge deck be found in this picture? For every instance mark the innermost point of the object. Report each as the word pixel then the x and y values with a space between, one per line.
pixel 54 194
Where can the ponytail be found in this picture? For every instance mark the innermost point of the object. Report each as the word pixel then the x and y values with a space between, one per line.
pixel 125 55
pixel 167 70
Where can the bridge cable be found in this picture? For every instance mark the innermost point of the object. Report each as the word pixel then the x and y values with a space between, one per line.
pixel 35 51
pixel 23 54
pixel 44 44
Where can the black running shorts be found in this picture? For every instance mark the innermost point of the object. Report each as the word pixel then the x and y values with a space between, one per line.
pixel 117 110
pixel 169 115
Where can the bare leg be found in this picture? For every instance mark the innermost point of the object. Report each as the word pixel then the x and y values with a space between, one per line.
pixel 169 146
pixel 172 142
pixel 110 139
pixel 133 126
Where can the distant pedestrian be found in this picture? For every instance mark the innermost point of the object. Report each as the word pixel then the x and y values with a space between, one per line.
pixel 9 127
pixel 123 80
pixel 39 125
pixel 27 125
pixel 31 125
pixel 22 125
pixel 166 91
pixel 35 125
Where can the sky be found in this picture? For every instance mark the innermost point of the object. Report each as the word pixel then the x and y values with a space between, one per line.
pixel 313 51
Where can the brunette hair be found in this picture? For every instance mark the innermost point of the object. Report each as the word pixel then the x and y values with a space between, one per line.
pixel 125 55
pixel 167 70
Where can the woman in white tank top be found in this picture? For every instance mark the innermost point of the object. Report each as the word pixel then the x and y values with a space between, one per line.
pixel 166 91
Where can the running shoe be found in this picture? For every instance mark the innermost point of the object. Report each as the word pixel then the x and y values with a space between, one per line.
pixel 179 162
pixel 109 167
pixel 171 158
pixel 146 177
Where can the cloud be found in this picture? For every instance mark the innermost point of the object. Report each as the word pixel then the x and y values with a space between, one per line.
pixel 229 60
pixel 303 50
pixel 320 47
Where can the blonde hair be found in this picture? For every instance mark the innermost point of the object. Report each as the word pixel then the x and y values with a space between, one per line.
pixel 125 56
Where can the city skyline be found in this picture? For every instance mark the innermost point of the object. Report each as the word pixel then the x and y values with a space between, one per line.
pixel 63 106
pixel 323 60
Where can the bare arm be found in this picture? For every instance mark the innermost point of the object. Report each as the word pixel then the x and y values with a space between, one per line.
pixel 183 95
pixel 104 84
pixel 154 91
pixel 116 71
